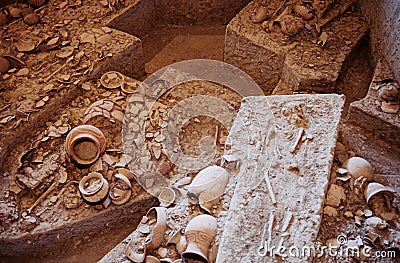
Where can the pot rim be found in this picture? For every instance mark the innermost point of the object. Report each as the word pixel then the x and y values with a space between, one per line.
pixel 86 178
pixel 83 138
pixel 85 133
pixel 119 74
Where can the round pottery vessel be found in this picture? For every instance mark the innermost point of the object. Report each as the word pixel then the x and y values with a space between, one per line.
pixel 120 199
pixel 157 234
pixel 167 197
pixel 357 166
pixel 112 83
pixel 208 185
pixel 97 189
pixel 376 188
pixel 83 135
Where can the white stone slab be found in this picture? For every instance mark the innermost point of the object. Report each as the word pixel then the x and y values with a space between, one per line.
pixel 297 155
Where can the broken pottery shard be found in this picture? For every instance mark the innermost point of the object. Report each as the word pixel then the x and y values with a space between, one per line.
pixel 106 29
pixel 335 195
pixel 323 38
pixel 40 104
pixel 109 159
pixel 104 39
pixel 52 42
pixel 291 189
pixel 25 46
pixel 65 52
pixel 118 115
pixel 156 151
pixel 297 140
pixel 229 158
pixel 87 38
pixel 63 32
pixel 7 119
pixel 63 177
pixel 390 108
pixel 22 72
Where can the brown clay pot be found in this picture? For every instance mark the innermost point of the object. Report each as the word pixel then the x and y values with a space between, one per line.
pixel 84 144
pixel 4 65
pixel 3 19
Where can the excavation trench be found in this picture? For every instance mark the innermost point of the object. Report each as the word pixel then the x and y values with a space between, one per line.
pixel 167 34
pixel 87 234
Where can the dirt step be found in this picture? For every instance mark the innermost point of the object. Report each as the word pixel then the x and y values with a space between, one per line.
pixel 299 60
pixel 383 156
pixel 368 114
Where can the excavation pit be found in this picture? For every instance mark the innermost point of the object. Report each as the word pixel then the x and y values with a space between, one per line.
pixel 136 38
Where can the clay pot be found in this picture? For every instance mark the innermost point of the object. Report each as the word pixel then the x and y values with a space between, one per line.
pixel 93 187
pixel 357 166
pixel 208 185
pixel 15 12
pixel 84 144
pixel 112 80
pixel 3 19
pixel 167 197
pixel 199 233
pixel 259 14
pixel 120 191
pixel 31 19
pixel 4 65
pixel 157 234
pixel 156 220
pixel 37 3
pixel 376 188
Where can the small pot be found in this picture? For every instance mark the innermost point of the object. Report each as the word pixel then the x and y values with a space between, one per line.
pixel 84 144
pixel 115 81
pixel 376 188
pixel 157 234
pixel 4 65
pixel 357 167
pixel 123 197
pixel 208 185
pixel 199 233
pixel 93 187
pixel 167 197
